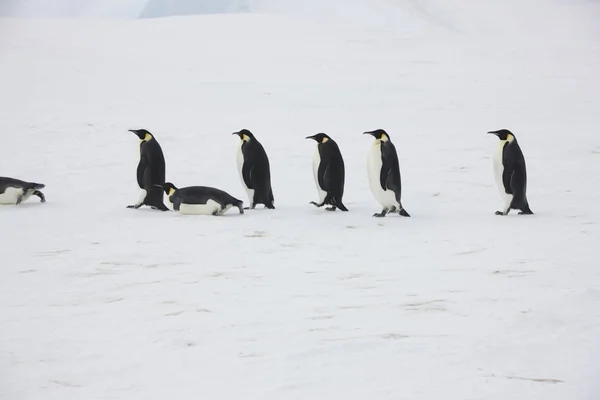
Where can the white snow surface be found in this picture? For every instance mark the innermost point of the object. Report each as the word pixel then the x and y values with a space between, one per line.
pixel 98 301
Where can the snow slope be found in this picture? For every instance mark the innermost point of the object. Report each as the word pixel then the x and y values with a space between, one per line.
pixel 102 302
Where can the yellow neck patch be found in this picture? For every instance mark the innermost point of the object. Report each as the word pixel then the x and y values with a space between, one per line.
pixel 509 138
pixel 384 138
pixel 324 140
pixel 171 191
pixel 245 138
pixel 147 137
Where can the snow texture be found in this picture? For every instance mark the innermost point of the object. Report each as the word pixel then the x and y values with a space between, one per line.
pixel 102 302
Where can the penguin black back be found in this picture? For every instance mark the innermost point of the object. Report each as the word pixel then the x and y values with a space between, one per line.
pixel 254 170
pixel 329 171
pixel 151 171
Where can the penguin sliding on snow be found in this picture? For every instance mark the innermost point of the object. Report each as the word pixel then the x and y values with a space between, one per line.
pixel 384 174
pixel 200 200
pixel 150 172
pixel 16 191
pixel 329 173
pixel 510 173
pixel 254 170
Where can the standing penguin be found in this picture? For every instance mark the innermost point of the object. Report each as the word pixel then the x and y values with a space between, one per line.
pixel 510 173
pixel 329 172
pixel 384 174
pixel 150 172
pixel 254 169
pixel 16 191
pixel 200 200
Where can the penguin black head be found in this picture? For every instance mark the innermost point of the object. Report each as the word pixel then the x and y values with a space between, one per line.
pixel 244 134
pixel 168 187
pixel 503 134
pixel 143 134
pixel 319 138
pixel 379 134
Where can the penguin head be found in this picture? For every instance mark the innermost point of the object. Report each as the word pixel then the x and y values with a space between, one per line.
pixel 143 134
pixel 503 134
pixel 319 138
pixel 379 135
pixel 168 187
pixel 245 135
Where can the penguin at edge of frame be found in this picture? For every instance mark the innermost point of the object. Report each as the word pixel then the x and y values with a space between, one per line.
pixel 15 191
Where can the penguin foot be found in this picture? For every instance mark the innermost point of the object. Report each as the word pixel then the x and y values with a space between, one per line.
pixel 136 206
pixel 241 209
pixel 403 213
pixel 332 208
pixel 500 213
pixel 381 214
pixel 40 195
pixel 529 212
pixel 316 204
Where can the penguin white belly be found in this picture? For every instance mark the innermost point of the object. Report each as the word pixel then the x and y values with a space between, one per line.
pixel 143 193
pixel 209 208
pixel 316 163
pixel 387 198
pixel 11 195
pixel 498 170
pixel 240 165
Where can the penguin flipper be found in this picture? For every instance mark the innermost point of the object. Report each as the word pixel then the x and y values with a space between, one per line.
pixel 247 174
pixel 141 169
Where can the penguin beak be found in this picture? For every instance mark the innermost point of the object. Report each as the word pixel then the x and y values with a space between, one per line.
pixel 237 133
pixel 310 137
pixel 133 130
pixel 368 133
pixel 493 133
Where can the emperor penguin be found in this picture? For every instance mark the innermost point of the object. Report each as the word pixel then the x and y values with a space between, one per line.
pixel 510 173
pixel 254 170
pixel 329 172
pixel 384 174
pixel 150 171
pixel 200 200
pixel 16 191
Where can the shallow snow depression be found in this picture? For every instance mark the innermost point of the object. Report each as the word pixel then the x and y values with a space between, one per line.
pixel 98 301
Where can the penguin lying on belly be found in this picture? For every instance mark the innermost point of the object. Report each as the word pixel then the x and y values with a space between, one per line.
pixel 200 200
pixel 16 191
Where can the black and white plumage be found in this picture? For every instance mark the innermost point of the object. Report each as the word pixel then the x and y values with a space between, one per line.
pixel 254 169
pixel 200 200
pixel 150 172
pixel 510 173
pixel 329 172
pixel 15 191
pixel 384 174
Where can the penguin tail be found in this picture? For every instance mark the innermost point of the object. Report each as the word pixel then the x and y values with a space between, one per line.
pixel 403 212
pixel 340 205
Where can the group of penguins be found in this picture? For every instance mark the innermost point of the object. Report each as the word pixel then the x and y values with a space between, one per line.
pixel 328 169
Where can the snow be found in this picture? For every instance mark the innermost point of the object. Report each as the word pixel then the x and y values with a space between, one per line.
pixel 102 302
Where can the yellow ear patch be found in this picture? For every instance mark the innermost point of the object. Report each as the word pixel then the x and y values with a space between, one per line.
pixel 147 137
pixel 171 191
pixel 509 138
pixel 324 140
pixel 384 137
pixel 245 137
